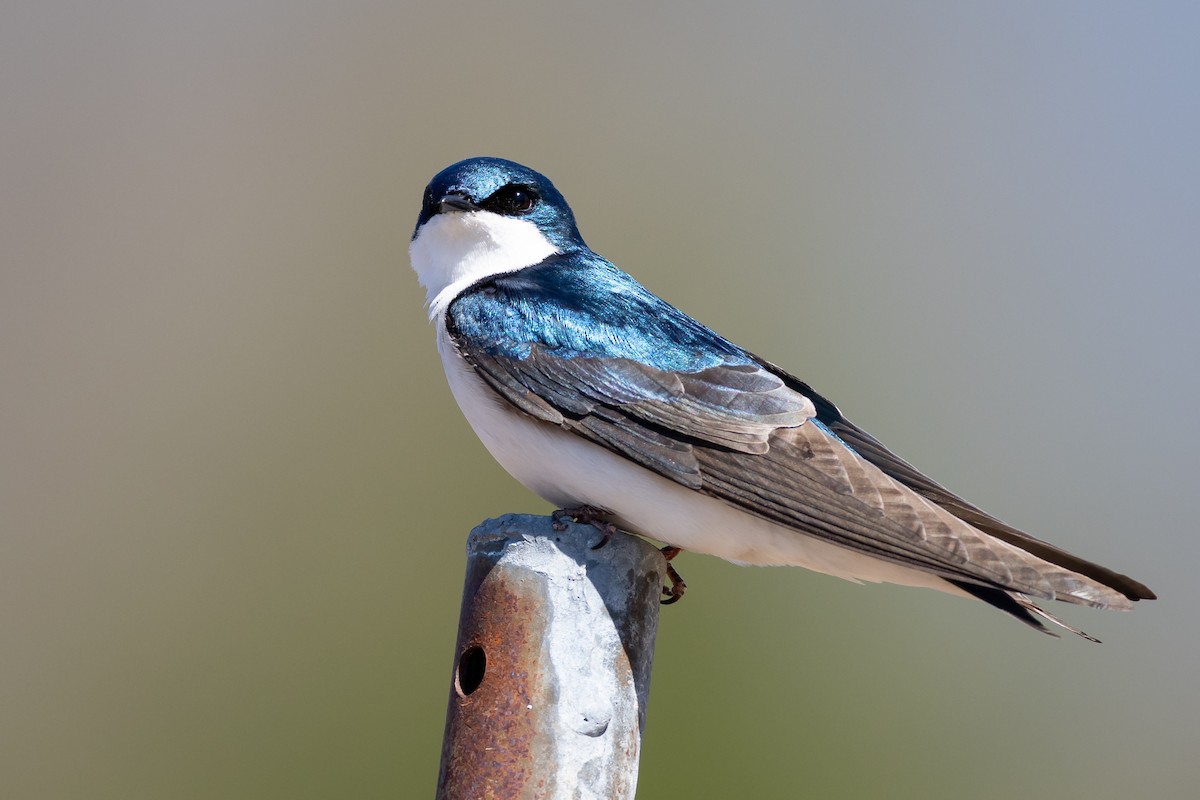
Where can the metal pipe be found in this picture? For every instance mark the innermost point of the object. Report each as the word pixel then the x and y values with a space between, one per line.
pixel 552 665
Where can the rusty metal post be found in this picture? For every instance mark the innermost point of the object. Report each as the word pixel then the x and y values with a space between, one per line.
pixel 552 665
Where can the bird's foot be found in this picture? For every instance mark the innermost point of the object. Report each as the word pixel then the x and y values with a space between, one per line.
pixel 586 515
pixel 672 593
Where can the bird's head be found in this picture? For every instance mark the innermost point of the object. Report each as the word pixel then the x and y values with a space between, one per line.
pixel 486 216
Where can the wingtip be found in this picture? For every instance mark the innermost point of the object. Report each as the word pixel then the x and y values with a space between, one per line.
pixel 1142 592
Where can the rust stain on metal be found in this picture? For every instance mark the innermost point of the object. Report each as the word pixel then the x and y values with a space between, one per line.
pixel 494 740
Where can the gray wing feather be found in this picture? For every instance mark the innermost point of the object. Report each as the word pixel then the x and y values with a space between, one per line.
pixel 738 432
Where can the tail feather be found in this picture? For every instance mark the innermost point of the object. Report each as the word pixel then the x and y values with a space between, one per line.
pixel 1020 607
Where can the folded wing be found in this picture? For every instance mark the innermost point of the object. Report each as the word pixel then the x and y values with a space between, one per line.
pixel 745 433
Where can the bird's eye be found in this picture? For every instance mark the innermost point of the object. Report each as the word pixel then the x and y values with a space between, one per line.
pixel 511 200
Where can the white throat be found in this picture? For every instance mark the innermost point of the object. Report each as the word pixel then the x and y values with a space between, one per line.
pixel 454 249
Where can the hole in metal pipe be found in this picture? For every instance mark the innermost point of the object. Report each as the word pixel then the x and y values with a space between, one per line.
pixel 472 664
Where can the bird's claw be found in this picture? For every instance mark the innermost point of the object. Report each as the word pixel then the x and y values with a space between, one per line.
pixel 586 515
pixel 672 593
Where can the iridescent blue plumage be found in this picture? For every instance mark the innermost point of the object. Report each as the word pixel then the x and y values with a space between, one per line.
pixel 479 178
pixel 580 304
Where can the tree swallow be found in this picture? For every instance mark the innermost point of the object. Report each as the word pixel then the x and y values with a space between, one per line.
pixel 591 391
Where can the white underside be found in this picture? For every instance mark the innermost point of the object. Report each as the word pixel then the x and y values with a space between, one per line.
pixel 455 249
pixel 567 471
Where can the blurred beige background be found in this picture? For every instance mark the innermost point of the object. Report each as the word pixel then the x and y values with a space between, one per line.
pixel 234 489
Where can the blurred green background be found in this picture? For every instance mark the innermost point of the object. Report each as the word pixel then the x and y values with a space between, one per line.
pixel 234 488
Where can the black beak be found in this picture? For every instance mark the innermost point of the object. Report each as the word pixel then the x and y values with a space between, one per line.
pixel 457 200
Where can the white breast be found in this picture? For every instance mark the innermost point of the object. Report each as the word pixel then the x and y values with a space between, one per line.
pixel 567 471
pixel 455 249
